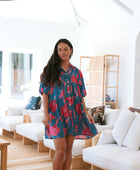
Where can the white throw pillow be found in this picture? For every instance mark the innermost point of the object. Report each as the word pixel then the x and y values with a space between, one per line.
pixel 122 125
pixel 14 111
pixel 37 117
pixel 111 116
pixel 132 139
pixel 106 137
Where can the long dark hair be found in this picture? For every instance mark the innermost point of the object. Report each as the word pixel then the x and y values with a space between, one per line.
pixel 51 71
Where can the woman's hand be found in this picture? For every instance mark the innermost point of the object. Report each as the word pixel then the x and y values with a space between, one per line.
pixel 90 118
pixel 46 120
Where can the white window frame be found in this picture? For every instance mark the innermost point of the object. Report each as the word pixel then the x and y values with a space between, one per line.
pixel 36 70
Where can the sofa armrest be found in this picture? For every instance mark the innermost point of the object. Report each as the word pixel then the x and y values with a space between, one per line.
pixel 92 141
pixel 95 139
pixel 88 143
pixel 26 119
pixel 133 109
pixel 6 112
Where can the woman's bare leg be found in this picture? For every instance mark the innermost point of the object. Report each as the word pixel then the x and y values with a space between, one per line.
pixel 60 149
pixel 68 154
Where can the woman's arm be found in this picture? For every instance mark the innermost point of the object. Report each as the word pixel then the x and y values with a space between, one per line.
pixel 89 117
pixel 46 118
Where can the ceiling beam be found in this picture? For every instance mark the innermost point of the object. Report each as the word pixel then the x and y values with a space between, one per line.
pixel 124 7
pixel 78 18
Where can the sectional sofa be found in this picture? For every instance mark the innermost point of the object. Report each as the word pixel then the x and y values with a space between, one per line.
pixel 33 132
pixel 13 117
pixel 118 148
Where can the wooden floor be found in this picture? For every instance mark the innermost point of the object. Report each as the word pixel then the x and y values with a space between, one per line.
pixel 36 167
pixel 26 157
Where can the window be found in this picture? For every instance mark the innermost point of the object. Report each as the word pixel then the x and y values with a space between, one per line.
pixel 20 73
pixel 0 72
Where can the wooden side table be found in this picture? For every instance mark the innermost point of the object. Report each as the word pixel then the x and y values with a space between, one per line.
pixel 3 149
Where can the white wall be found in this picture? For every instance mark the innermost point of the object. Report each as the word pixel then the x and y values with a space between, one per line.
pixel 16 33
pixel 112 39
pixel 27 36
pixel 136 96
pixel 87 40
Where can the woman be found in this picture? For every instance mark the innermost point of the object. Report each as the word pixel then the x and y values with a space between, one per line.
pixel 65 114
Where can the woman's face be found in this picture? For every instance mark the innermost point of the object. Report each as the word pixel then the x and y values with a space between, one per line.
pixel 64 51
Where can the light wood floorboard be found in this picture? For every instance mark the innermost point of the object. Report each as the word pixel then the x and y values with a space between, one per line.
pixel 26 157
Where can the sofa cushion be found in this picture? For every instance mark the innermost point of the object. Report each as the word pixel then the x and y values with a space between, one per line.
pixel 112 157
pixel 33 131
pixel 26 112
pixel 14 111
pixel 49 143
pixel 132 139
pixel 111 115
pixel 100 128
pixel 9 122
pixel 106 137
pixel 37 117
pixel 34 103
pixel 122 125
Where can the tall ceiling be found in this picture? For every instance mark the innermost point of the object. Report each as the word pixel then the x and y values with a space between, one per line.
pixel 71 11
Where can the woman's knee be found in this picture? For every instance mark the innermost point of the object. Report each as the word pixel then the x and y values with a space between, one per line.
pixel 60 146
pixel 69 151
pixel 60 152
pixel 69 145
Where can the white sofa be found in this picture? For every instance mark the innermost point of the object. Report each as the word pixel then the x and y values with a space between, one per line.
pixel 32 130
pixel 13 117
pixel 119 148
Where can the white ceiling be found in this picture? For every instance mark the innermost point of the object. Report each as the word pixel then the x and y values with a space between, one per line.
pixel 61 11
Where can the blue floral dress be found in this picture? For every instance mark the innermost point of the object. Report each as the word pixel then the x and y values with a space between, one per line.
pixel 66 108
